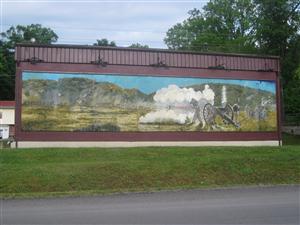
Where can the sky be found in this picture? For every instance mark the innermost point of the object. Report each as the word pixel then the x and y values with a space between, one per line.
pixel 150 84
pixel 82 22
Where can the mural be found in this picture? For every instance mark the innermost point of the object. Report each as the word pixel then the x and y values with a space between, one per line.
pixel 125 103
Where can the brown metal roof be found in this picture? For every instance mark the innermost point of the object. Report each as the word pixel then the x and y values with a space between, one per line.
pixel 84 54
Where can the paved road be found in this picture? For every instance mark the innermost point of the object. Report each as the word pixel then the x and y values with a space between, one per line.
pixel 255 205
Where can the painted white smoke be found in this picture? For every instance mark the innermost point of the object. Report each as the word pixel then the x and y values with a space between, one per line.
pixel 224 96
pixel 174 104
pixel 175 95
pixel 166 115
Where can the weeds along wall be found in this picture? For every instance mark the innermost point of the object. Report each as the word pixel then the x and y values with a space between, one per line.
pixel 82 93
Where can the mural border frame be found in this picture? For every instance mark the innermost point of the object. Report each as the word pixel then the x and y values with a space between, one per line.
pixel 144 136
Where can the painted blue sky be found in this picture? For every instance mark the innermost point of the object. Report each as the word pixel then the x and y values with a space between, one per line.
pixel 84 21
pixel 150 84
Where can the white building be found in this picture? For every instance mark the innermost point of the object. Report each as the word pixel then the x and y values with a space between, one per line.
pixel 7 119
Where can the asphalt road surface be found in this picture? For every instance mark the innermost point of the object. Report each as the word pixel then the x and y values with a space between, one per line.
pixel 251 205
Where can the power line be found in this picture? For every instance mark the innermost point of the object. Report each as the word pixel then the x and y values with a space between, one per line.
pixel 123 30
pixel 100 29
pixel 97 38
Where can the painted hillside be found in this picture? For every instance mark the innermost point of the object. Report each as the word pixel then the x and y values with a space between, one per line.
pixel 82 104
pixel 80 91
pixel 88 92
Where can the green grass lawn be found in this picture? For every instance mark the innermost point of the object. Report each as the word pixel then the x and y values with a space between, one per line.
pixel 52 172
pixel 290 139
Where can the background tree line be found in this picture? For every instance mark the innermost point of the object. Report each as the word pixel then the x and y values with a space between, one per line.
pixel 26 34
pixel 236 26
pixel 247 26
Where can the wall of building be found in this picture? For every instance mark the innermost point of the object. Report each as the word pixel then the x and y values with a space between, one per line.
pixel 126 95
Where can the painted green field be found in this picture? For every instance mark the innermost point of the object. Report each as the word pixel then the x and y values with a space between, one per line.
pixel 53 172
pixel 63 118
pixel 72 119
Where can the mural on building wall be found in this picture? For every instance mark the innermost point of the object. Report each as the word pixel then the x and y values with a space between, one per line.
pixel 124 103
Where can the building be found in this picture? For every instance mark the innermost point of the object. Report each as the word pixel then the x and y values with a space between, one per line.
pixel 70 95
pixel 7 119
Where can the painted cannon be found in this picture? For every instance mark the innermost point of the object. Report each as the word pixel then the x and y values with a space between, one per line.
pixel 227 113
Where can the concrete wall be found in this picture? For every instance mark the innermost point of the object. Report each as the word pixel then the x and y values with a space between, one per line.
pixel 123 144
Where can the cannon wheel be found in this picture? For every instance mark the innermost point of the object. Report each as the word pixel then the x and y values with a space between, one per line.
pixel 228 110
pixel 209 114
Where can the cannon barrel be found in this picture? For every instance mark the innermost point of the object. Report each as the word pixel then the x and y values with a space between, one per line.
pixel 227 114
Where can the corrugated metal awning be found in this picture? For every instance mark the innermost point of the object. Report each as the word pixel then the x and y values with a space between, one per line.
pixel 76 54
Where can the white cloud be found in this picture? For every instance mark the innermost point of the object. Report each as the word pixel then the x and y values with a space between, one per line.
pixel 85 22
